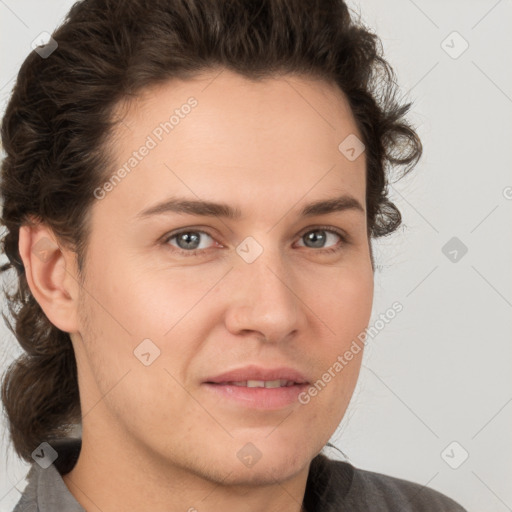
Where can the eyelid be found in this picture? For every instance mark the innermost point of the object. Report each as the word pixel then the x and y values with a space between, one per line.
pixel 344 236
pixel 172 234
pixel 332 229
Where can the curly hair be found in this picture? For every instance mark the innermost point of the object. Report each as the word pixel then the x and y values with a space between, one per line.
pixel 61 113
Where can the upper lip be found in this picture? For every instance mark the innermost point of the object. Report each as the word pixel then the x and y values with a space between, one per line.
pixel 254 372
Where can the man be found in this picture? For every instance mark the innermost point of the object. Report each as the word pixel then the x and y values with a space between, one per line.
pixel 198 242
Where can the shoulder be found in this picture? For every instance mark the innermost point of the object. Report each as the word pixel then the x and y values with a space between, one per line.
pixel 395 492
pixel 45 490
pixel 341 484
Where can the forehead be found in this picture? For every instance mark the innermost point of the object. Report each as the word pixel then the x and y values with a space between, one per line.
pixel 220 134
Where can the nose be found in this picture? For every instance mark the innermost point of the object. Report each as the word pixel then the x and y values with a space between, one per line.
pixel 264 295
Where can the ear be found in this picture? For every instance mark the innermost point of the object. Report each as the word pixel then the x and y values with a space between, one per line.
pixel 51 274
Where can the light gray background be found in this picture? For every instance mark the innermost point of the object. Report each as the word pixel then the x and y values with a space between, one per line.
pixel 440 371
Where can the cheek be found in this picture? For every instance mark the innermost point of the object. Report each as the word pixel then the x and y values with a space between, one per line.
pixel 345 302
pixel 118 333
pixel 345 308
pixel 136 303
pixel 356 301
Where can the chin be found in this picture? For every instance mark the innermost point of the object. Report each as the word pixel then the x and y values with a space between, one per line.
pixel 264 473
pixel 275 463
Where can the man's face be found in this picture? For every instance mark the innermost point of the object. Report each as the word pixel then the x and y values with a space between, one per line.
pixel 162 316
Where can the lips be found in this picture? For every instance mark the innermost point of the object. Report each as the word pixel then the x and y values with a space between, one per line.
pixel 269 384
pixel 257 388
pixel 256 376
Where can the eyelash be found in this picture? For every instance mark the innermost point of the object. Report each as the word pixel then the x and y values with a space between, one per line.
pixel 195 252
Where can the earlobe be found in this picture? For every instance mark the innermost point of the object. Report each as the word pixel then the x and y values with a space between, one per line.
pixel 52 283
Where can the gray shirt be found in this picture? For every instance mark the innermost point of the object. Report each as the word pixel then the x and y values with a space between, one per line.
pixel 332 486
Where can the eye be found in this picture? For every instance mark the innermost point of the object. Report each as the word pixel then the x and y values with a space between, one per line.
pixel 188 242
pixel 318 241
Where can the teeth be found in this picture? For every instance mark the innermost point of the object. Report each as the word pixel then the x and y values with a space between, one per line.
pixel 255 383
pixel 278 383
pixel 273 383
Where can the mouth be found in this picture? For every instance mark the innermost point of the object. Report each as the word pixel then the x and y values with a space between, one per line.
pixel 258 388
pixel 268 384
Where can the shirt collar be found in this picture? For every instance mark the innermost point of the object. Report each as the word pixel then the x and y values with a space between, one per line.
pixel 47 488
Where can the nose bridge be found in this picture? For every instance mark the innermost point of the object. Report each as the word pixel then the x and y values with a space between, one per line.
pixel 264 299
pixel 261 262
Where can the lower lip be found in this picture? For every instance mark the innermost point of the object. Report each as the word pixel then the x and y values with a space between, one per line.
pixel 258 398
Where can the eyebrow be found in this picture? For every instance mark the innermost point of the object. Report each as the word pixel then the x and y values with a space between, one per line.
pixel 212 209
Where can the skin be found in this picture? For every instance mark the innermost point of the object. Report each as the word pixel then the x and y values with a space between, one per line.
pixel 153 437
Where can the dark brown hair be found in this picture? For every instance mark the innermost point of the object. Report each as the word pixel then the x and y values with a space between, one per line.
pixel 56 129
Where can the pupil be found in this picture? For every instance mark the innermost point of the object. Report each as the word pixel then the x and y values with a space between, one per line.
pixel 317 240
pixel 185 237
